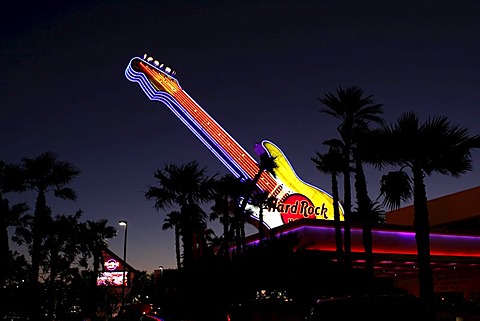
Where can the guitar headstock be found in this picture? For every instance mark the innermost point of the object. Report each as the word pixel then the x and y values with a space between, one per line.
pixel 158 76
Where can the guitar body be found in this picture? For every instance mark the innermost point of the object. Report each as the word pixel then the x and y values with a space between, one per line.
pixel 295 199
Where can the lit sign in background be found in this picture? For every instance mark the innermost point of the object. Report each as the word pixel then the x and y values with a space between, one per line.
pixel 112 274
pixel 296 199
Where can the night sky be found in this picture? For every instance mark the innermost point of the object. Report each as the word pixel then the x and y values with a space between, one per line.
pixel 257 67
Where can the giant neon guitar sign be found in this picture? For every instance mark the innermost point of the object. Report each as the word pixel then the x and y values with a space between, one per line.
pixel 295 198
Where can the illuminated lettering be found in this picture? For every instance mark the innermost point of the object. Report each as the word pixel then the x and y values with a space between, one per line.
pixel 303 208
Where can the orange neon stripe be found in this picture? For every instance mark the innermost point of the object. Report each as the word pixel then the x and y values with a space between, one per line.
pixel 248 167
pixel 213 132
pixel 247 163
pixel 216 131
pixel 221 139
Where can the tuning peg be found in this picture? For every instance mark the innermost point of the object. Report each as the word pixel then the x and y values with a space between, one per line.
pixel 145 56
pixel 168 70
pixel 149 59
pixel 156 63
pixel 174 72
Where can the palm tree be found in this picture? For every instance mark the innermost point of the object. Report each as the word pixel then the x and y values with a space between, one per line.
pixel 44 174
pixel 261 200
pixel 213 241
pixel 187 186
pixel 267 165
pixel 62 250
pixel 435 146
pixel 228 192
pixel 353 110
pixel 11 180
pixel 94 236
pixel 367 210
pixel 172 220
pixel 331 163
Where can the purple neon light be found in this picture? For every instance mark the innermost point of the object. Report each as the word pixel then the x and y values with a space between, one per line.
pixel 388 241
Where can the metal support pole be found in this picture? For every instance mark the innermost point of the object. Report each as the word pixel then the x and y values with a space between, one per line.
pixel 125 224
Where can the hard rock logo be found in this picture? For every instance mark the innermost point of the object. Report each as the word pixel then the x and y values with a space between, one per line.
pixel 297 206
pixel 111 265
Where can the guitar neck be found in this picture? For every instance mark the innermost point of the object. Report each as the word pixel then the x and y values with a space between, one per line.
pixel 230 153
pixel 219 137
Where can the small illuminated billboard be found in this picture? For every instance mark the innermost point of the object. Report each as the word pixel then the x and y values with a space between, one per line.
pixel 112 278
pixel 112 272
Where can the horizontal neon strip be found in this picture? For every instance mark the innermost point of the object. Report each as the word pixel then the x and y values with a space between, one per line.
pixel 322 238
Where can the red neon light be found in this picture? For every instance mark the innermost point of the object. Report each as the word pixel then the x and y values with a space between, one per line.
pixel 391 242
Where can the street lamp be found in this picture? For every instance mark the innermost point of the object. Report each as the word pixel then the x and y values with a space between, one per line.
pixel 161 271
pixel 124 223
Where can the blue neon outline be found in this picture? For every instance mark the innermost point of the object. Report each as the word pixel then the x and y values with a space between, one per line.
pixel 164 97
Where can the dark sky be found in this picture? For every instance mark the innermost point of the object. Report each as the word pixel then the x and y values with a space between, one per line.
pixel 257 67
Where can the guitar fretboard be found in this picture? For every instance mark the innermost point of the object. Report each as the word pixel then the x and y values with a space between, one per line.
pixel 216 134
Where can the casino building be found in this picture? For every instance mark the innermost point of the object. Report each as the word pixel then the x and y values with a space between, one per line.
pixel 454 219
pixel 455 244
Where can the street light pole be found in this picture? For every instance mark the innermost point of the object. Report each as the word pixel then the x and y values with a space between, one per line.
pixel 125 224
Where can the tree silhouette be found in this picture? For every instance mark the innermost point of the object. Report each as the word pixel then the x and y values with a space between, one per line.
pixel 353 109
pixel 11 180
pixel 228 191
pixel 45 174
pixel 186 186
pixel 173 220
pixel 94 236
pixel 435 146
pixel 331 163
pixel 267 165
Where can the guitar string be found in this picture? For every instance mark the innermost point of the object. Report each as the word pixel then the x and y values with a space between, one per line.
pixel 214 130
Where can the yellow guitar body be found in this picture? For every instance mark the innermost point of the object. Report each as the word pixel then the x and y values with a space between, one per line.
pixel 296 199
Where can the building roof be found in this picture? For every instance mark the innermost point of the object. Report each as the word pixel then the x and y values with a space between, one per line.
pixel 455 212
pixel 394 246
